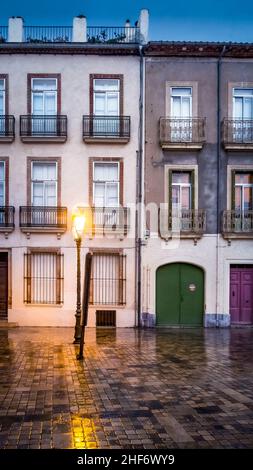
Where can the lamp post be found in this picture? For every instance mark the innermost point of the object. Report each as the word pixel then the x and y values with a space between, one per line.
pixel 78 228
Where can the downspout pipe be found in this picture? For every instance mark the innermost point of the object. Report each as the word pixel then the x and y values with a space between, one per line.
pixel 140 191
pixel 218 207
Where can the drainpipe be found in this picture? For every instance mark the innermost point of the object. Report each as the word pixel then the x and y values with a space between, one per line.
pixel 139 193
pixel 219 62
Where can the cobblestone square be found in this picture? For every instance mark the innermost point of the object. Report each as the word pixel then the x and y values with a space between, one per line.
pixel 154 389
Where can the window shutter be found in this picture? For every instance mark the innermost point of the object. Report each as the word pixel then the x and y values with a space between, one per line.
pixel 170 190
pixel 233 189
pixel 192 189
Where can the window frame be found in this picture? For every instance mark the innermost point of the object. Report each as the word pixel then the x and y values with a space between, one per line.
pixel 44 181
pixel 193 169
pixel 31 77
pixel 5 161
pixel 59 280
pixel 43 160
pixel 180 84
pixel 106 182
pixel 43 93
pixel 119 77
pixel 5 77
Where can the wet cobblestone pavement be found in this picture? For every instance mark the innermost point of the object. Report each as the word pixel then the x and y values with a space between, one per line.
pixel 136 389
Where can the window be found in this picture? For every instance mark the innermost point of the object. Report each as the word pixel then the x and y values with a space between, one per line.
pixel 243 191
pixel 44 103
pixel 2 183
pixel 44 184
pixel 106 97
pixel 2 106
pixel 243 103
pixel 43 278
pixel 106 184
pixel 108 279
pixel 181 102
pixel 2 97
pixel 181 113
pixel 181 190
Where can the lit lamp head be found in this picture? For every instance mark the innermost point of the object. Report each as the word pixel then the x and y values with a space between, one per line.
pixel 78 226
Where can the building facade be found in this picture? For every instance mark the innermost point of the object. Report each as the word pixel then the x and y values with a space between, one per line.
pixel 198 254
pixel 69 133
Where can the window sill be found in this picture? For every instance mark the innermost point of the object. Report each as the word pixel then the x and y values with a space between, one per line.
pixel 46 139
pixel 45 305
pixel 182 145
pixel 6 139
pixel 106 140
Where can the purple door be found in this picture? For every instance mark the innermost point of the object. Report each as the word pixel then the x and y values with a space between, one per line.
pixel 241 294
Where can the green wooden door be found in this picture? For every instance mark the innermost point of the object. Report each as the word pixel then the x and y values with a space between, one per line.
pixel 179 295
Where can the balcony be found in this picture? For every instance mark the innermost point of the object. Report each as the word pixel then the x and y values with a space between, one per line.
pixel 184 223
pixel 237 134
pixel 107 220
pixel 7 128
pixel 34 219
pixel 113 34
pixel 237 224
pixel 106 129
pixel 34 128
pixel 7 224
pixel 185 133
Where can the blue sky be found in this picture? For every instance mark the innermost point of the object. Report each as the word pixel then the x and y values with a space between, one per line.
pixel 207 20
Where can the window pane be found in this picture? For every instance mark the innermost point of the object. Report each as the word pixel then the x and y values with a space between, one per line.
pixel 243 92
pixel 44 84
pixel 244 178
pixel 181 91
pixel 99 194
pixel 112 195
pixel 175 195
pixel 44 171
pixel 186 197
pixel 2 84
pixel 50 103
pixel 50 194
pixel 248 108
pixel 186 107
pixel 37 194
pixel 176 106
pixel 37 102
pixel 106 172
pixel 181 177
pixel 2 171
pixel 238 108
pixel 99 104
pixel 112 104
pixel 2 102
pixel 2 193
pixel 106 84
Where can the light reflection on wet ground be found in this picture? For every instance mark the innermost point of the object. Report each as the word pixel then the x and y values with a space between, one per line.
pixel 135 389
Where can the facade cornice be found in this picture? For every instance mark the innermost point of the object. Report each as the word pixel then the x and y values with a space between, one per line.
pixel 198 49
pixel 70 48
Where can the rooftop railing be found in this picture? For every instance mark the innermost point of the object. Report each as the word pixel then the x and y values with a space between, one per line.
pixel 113 34
pixel 43 34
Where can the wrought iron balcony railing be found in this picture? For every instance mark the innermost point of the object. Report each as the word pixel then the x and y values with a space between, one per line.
pixel 43 127
pixel 182 132
pixel 237 133
pixel 7 218
pixel 7 127
pixel 105 220
pixel 45 34
pixel 182 222
pixel 237 222
pixel 38 217
pixel 106 127
pixel 113 34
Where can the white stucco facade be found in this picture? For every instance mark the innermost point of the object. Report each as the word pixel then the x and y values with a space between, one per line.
pixel 75 73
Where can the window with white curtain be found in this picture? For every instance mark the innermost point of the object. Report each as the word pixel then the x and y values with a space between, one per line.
pixel 2 106
pixel 181 114
pixel 44 103
pixel 243 103
pixel 106 97
pixel 2 97
pixel 44 184
pixel 2 183
pixel 106 184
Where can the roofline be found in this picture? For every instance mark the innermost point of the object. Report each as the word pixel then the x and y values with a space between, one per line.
pixel 69 48
pixel 198 49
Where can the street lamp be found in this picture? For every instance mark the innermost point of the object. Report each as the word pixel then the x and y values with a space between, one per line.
pixel 78 224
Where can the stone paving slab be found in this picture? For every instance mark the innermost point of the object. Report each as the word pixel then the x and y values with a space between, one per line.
pixel 154 389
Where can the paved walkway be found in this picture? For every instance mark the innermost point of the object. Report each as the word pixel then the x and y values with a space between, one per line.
pixel 147 389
